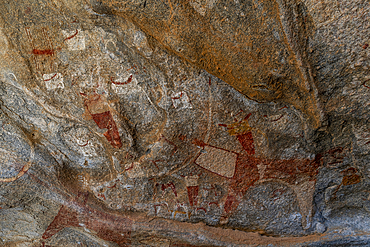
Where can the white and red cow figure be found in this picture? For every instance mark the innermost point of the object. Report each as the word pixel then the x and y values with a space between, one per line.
pixel 244 170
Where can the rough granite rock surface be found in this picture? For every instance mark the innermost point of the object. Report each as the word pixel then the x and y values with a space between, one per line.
pixel 184 123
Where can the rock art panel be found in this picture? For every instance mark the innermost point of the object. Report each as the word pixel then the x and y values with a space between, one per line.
pixel 251 70
pixel 184 123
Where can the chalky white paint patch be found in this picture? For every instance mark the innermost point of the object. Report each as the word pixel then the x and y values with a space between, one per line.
pixel 124 85
pixel 53 81
pixel 86 148
pixel 75 40
pixel 180 100
pixel 217 160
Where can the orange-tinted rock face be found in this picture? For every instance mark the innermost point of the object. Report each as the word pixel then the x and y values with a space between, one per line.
pixel 263 54
pixel 184 123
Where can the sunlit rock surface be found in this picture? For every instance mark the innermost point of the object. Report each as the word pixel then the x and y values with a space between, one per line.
pixel 184 123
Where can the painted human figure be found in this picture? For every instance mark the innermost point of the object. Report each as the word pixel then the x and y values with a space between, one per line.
pixel 101 114
pixel 299 174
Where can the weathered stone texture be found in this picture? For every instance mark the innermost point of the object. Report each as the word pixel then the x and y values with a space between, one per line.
pixel 184 123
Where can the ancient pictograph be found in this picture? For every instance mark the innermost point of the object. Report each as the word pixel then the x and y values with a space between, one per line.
pixel 184 123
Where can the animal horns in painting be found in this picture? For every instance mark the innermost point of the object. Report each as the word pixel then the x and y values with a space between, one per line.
pixel 263 54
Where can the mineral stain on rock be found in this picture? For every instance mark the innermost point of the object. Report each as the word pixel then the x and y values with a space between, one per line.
pixel 184 123
pixel 263 64
pixel 106 226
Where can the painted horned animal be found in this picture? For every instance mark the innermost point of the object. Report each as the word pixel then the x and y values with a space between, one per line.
pixel 261 49
pixel 246 170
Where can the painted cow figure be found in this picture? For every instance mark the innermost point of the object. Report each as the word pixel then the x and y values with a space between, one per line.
pixel 248 170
